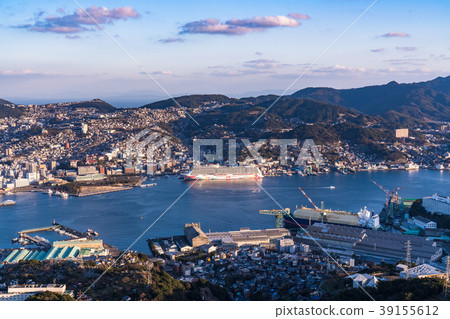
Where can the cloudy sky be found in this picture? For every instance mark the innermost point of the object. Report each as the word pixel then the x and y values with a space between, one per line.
pixel 53 50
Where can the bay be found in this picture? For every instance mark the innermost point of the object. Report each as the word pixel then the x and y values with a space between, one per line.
pixel 122 217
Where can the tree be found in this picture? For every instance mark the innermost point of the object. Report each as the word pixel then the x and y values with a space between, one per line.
pixel 50 296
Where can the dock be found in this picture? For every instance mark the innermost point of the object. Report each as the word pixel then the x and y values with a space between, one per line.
pixel 37 230
pixel 25 238
pixel 70 232
pixel 148 185
pixel 105 190
pixel 141 181
pixel 38 241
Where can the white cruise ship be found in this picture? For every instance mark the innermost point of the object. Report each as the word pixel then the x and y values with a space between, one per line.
pixel 216 172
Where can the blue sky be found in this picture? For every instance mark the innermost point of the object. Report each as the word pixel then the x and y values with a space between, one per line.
pixel 52 51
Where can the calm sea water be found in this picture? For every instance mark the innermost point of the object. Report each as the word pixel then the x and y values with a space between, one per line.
pixel 218 205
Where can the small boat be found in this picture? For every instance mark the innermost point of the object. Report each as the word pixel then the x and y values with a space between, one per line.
pixel 8 202
pixel 148 185
pixel 332 187
pixel 92 232
pixel 50 192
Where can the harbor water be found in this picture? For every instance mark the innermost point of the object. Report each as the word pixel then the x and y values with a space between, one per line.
pixel 121 217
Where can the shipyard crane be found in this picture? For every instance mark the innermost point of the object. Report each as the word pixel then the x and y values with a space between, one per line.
pixel 392 198
pixel 278 213
pixel 390 195
pixel 308 198
pixel 322 209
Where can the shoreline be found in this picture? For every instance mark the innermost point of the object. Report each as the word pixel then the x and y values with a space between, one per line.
pixel 105 191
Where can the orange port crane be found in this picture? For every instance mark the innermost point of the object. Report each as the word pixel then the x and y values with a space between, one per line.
pixel 307 197
pixel 322 210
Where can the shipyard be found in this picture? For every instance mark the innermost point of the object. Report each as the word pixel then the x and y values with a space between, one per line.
pixel 225 151
pixel 333 246
pixel 305 250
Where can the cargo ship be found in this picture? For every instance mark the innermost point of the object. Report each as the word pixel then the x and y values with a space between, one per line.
pixel 305 216
pixel 217 172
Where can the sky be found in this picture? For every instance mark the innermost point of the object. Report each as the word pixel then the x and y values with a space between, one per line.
pixel 53 51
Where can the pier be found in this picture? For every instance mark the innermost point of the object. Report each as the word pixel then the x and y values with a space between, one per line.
pixel 25 238
pixel 70 232
pixel 38 241
pixel 97 190
pixel 37 230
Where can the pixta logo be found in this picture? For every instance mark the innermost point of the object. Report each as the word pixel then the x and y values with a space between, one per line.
pixel 308 152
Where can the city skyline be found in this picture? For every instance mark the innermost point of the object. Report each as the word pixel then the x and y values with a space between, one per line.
pixel 55 52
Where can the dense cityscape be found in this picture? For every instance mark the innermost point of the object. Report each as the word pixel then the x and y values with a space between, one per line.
pixel 292 155
pixel 89 148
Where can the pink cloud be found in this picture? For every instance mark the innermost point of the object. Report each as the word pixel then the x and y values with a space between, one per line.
pixel 299 16
pixel 57 29
pixel 103 15
pixel 395 35
pixel 262 64
pixel 408 49
pixel 82 20
pixel 264 22
pixel 239 26
pixel 170 40
pixel 18 72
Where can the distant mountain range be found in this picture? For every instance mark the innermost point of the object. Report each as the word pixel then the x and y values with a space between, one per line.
pixel 412 104
pixel 423 100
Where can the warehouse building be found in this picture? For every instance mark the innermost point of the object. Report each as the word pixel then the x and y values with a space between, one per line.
pixel 245 236
pixel 422 271
pixel 424 223
pixel 23 292
pixel 195 236
pixel 369 244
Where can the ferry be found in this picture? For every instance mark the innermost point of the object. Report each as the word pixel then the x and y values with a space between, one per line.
pixel 217 172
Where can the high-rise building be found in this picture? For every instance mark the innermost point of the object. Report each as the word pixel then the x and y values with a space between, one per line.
pixel 84 128
pixel 401 133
